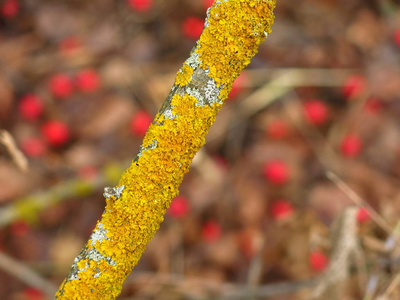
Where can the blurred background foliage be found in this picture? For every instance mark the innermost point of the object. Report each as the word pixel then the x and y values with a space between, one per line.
pixel 300 173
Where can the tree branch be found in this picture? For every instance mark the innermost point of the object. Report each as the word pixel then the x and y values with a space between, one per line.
pixel 134 210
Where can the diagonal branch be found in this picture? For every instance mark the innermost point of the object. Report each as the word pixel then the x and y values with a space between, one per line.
pixel 134 210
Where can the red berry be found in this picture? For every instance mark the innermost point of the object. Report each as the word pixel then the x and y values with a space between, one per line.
pixel 354 86
pixel 282 210
pixel 141 5
pixel 318 261
pixel 88 81
pixel 237 86
pixel 277 129
pixel 61 86
pixel 56 133
pixel 19 228
pixel 363 215
pixel 140 123
pixel 179 207
pixel 276 172
pixel 33 147
pixel 193 27
pixel 373 106
pixel 211 231
pixel 351 145
pixel 69 45
pixel 30 107
pixel 33 294
pixel 396 36
pixel 9 8
pixel 207 3
pixel 316 112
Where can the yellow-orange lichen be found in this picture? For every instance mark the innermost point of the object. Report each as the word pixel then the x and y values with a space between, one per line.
pixel 234 30
pixel 184 75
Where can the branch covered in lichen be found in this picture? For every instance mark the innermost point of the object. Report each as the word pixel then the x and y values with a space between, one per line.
pixel 134 210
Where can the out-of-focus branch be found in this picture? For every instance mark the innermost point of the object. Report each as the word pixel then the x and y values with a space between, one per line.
pixel 25 274
pixel 16 154
pixel 29 207
pixel 136 207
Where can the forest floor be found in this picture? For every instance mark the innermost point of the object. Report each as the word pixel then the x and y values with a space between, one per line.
pixel 296 194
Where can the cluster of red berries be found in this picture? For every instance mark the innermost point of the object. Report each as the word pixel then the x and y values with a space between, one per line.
pixel 62 86
pixel 316 113
pixel 180 208
pixel 54 132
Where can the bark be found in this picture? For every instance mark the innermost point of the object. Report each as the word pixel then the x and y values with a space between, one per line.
pixel 136 207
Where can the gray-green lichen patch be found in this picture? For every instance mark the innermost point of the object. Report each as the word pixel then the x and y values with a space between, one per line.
pixel 113 191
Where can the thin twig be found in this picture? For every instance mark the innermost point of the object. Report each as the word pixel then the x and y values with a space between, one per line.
pixel 26 275
pixel 223 291
pixel 16 154
pixel 359 201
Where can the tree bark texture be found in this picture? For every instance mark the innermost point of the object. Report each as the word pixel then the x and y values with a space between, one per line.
pixel 135 208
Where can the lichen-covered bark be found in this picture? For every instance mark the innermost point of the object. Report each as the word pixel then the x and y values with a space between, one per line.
pixel 134 210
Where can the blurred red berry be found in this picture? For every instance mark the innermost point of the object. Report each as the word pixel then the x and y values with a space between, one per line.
pixel 207 3
pixel 211 231
pixel 318 261
pixel 61 86
pixel 396 36
pixel 363 215
pixel 193 27
pixel 141 5
pixel 33 147
pixel 237 86
pixel 88 172
pixel 140 123
pixel 282 210
pixel 351 145
pixel 277 129
pixel 56 133
pixel 179 207
pixel 316 112
pixel 373 106
pixel 87 81
pixel 69 45
pixel 30 107
pixel 276 172
pixel 9 8
pixel 221 161
pixel 33 294
pixel 353 87
pixel 19 228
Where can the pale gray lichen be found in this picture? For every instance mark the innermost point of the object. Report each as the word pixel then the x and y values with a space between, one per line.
pixel 98 235
pixel 168 114
pixel 113 191
pixel 194 60
pixel 152 146
pixel 203 88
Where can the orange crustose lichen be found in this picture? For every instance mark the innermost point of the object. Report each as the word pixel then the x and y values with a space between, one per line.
pixel 134 210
